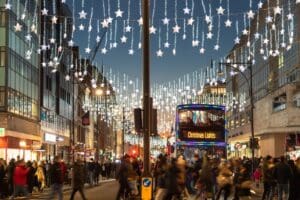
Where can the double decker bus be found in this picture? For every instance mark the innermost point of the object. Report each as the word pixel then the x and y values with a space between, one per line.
pixel 200 128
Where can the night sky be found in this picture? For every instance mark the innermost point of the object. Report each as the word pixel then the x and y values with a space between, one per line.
pixel 168 67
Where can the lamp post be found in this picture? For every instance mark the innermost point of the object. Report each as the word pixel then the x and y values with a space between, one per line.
pixel 249 81
pixel 98 92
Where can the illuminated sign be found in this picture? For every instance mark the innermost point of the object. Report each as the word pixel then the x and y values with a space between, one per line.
pixel 2 132
pixel 205 135
pixel 50 137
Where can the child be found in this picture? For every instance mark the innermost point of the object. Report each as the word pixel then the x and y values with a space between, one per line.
pixel 257 176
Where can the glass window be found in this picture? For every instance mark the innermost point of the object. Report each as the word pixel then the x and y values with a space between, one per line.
pixel 2 36
pixel 2 76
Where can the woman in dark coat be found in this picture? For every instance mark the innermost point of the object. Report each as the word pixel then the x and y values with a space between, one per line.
pixel 30 177
pixel 294 181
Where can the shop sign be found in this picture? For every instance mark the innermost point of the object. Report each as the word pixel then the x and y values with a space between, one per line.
pixel 2 132
pixel 50 137
pixel 146 188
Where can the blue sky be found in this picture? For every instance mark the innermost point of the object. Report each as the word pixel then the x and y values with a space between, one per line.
pixel 168 67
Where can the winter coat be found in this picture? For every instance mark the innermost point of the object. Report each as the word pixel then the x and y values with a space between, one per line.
pixel 282 173
pixel 40 176
pixel 56 175
pixel 78 174
pixel 20 175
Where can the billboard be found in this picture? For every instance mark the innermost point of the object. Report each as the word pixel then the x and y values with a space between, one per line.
pixel 201 123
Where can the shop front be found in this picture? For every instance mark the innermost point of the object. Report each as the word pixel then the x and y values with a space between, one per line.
pixel 55 145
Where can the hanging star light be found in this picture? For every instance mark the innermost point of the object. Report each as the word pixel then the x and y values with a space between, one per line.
pixel 7 6
pixel 191 21
pixel 115 44
pixel 245 32
pixel 44 11
pixel 228 23
pixel 71 43
pixel 250 14
pixel 277 10
pixel 159 53
pixel 209 35
pixel 184 36
pixel 81 27
pixel 87 50
pixel 195 43
pixel 269 19
pixel 208 19
pixel 119 13
pixel 28 37
pixel 104 23
pixel 266 41
pixel 216 47
pixel 290 16
pixel 166 21
pixel 123 39
pixel 152 30
pixel 128 28
pixel 104 50
pixel 260 5
pixel 54 20
pixel 202 50
pixel 186 11
pixel 140 21
pixel 18 27
pixel 98 38
pixel 176 29
pixel 130 51
pixel 82 14
pixel 237 40
pixel 109 20
pixel 256 35
pixel 220 10
pixel 52 40
pixel 166 44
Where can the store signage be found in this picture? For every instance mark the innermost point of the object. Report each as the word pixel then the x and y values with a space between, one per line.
pixel 146 188
pixel 50 137
pixel 2 132
pixel 198 135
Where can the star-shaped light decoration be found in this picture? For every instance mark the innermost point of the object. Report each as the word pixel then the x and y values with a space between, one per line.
pixel 297 1
pixel 18 27
pixel 166 44
pixel 290 16
pixel 256 35
pixel 109 20
pixel 128 28
pixel 210 27
pixel 207 19
pixel 184 36
pixel 176 29
pixel 33 28
pixel 90 28
pixel 283 44
pixel 152 29
pixel 119 13
pixel 98 38
pixel 7 6
pixel 44 47
pixel 28 54
pixel 277 10
pixel 130 52
pixel 82 14
pixel 81 27
pixel 202 50
pixel 260 5
pixel 165 20
pixel 28 37
pixel 245 32
pixel 114 45
pixel 44 11
pixel 87 50
pixel 104 23
pixel 52 40
pixel 71 43
pixel 269 19
pixel 209 35
pixel 216 47
pixel 228 23
pixel 44 64
pixel 250 14
pixel 59 49
pixel 140 45
pixel 23 16
pixel 195 43
pixel 220 10
pixel 282 31
pixel 104 50
pixel 190 21
pixel 159 53
pixel 237 40
pixel 174 52
pixel 140 21
pixel 266 41
pixel 123 39
pixel 186 11
pixel 54 20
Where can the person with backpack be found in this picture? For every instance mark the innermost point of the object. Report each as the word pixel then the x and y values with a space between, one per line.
pixel 56 177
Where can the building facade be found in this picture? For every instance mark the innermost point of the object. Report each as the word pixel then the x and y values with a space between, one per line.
pixel 19 82
pixel 273 49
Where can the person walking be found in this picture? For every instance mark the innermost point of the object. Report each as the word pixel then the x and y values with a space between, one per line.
pixel 10 176
pixel 56 177
pixel 268 179
pixel 122 177
pixel 78 179
pixel 2 176
pixel 20 179
pixel 282 174
pixel 40 176
pixel 30 177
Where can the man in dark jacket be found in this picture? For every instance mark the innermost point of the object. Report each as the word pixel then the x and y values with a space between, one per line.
pixel 78 179
pixel 56 177
pixel 282 174
pixel 122 177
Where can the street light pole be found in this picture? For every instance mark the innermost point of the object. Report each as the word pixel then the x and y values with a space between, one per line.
pixel 146 87
pixel 249 81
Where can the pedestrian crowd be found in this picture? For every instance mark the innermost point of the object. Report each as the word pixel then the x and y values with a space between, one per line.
pixel 20 178
pixel 213 178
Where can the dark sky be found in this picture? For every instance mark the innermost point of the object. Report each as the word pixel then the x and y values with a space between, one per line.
pixel 168 67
